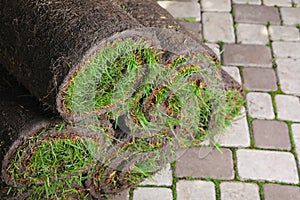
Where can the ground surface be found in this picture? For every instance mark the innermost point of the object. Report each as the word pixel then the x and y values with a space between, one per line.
pixel 260 159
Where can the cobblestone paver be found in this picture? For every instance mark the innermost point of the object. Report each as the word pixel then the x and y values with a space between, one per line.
pixel 247 55
pixel 254 14
pixel 144 193
pixel 288 71
pixel 288 107
pixel 239 191
pixel 290 16
pixel 286 49
pixel 271 134
pixel 260 105
pixel 280 192
pixel 214 165
pixel 259 79
pixel 195 190
pixel 267 165
pixel 218 26
pixel 252 34
pixel 284 33
pixel 258 156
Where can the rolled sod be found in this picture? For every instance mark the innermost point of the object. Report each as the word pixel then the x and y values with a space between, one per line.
pixel 48 44
pixel 44 43
pixel 41 157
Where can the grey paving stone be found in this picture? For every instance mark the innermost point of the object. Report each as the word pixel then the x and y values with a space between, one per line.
pixel 296 137
pixel 286 3
pixel 218 27
pixel 267 165
pixel 259 79
pixel 234 73
pixel 288 107
pixel 195 190
pixel 288 71
pixel 216 5
pixel 285 33
pixel 271 134
pixel 252 34
pixel 214 165
pixel 180 9
pixel 281 192
pixel 164 177
pixel 286 49
pixel 236 135
pixel 247 55
pixel 255 14
pixel 290 16
pixel 250 2
pixel 124 195
pixel 239 191
pixel 143 193
pixel 260 105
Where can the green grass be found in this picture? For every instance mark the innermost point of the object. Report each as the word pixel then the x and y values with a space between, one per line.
pixel 127 65
pixel 146 144
pixel 92 86
pixel 188 19
pixel 51 160
pixel 48 166
pixel 56 157
pixel 210 103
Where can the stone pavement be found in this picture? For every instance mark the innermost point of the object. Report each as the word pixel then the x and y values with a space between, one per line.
pixel 260 152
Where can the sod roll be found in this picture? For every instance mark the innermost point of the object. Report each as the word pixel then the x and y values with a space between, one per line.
pixel 44 42
pixel 41 157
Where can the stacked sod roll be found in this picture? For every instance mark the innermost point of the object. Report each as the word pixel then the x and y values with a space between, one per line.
pixel 41 156
pixel 129 92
